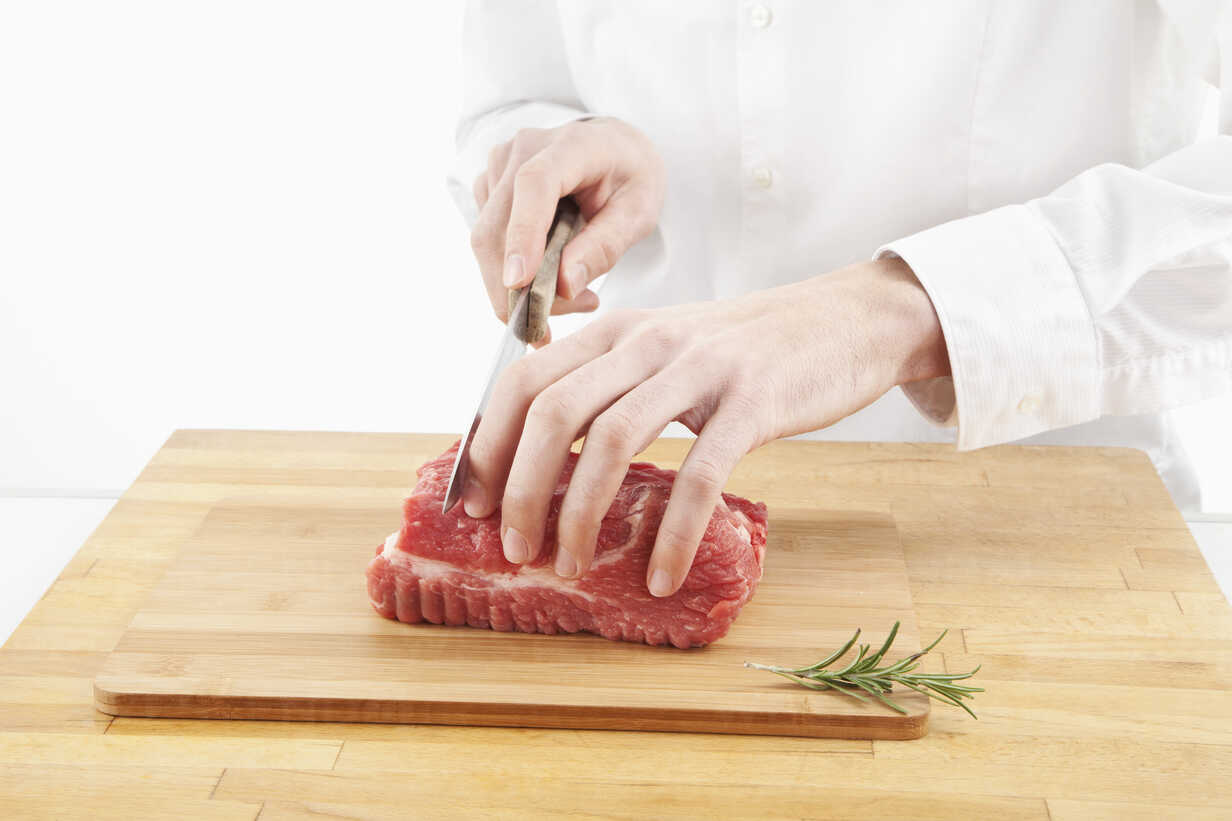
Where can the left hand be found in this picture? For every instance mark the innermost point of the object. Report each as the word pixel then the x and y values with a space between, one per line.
pixel 738 373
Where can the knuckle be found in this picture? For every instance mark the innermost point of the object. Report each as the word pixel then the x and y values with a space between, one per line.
pixel 527 137
pixel 606 250
pixel 700 361
pixel 613 430
pixel 623 318
pixel 497 155
pixel 657 337
pixel 679 544
pixel 521 229
pixel 483 239
pixel 551 409
pixel 479 243
pixel 613 325
pixel 648 216
pixel 517 235
pixel 741 379
pixel 516 381
pixel 530 175
pixel 644 221
pixel 703 475
pixel 518 375
pixel 482 453
pixel 747 393
pixel 579 524
pixel 583 512
pixel 516 500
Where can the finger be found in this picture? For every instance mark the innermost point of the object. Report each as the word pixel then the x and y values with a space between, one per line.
pixel 498 162
pixel 496 439
pixel 583 303
pixel 559 169
pixel 487 244
pixel 480 190
pixel 553 421
pixel 694 495
pixel 488 233
pixel 614 438
pixel 624 220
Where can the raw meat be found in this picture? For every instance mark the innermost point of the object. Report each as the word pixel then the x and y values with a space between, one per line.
pixel 450 569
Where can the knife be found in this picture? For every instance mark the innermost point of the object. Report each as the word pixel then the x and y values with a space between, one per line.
pixel 529 308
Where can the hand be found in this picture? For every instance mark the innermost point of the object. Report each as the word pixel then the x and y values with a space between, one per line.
pixel 613 173
pixel 739 373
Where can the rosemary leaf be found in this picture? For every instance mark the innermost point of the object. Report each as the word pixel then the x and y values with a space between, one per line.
pixel 885 647
pixel 862 675
pixel 833 657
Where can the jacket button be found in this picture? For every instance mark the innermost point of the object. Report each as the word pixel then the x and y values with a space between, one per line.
pixel 760 16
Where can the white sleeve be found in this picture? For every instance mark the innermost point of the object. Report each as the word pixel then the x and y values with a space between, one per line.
pixel 1112 295
pixel 516 75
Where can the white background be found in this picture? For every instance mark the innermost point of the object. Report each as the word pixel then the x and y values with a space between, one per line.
pixel 232 214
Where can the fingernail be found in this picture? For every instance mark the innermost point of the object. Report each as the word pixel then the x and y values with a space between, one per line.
pixel 566 565
pixel 515 546
pixel 472 499
pixel 513 270
pixel 577 278
pixel 660 583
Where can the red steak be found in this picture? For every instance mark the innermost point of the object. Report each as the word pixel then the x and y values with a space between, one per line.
pixel 449 569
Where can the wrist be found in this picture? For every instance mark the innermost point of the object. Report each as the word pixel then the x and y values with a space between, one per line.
pixel 905 322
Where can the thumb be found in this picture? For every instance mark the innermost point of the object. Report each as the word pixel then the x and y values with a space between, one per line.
pixel 621 223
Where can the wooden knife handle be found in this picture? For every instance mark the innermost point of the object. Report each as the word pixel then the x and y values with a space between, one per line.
pixel 566 223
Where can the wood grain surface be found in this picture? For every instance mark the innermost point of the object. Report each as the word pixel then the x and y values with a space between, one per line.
pixel 265 614
pixel 1066 572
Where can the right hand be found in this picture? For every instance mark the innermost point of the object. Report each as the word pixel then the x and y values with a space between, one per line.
pixel 613 172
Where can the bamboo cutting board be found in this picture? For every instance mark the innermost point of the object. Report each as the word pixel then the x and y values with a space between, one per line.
pixel 265 615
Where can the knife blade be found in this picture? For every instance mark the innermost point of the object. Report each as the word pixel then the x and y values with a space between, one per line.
pixel 529 309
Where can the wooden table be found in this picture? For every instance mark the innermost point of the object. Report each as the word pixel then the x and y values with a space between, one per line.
pixel 1067 573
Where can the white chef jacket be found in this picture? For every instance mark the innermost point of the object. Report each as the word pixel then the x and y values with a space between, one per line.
pixel 1034 163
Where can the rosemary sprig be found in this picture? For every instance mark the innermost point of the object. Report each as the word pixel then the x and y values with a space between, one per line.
pixel 862 675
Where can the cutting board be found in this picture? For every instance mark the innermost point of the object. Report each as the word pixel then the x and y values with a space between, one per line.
pixel 265 615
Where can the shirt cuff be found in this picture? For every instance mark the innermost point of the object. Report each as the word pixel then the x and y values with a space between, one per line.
pixel 492 129
pixel 1023 348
